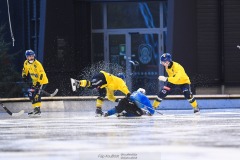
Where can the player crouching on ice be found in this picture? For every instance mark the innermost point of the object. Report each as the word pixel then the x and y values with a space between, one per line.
pixel 35 69
pixel 177 78
pixel 136 105
pixel 106 84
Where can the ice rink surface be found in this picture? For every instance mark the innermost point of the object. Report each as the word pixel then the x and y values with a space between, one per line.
pixel 176 135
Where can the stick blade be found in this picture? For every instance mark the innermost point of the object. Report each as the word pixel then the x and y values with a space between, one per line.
pixel 159 112
pixel 73 84
pixel 18 114
pixel 54 93
pixel 34 116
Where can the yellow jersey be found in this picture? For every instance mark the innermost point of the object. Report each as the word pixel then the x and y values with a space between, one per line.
pixel 114 83
pixel 177 74
pixel 36 72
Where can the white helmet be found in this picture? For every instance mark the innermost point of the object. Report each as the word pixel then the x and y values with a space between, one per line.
pixel 141 90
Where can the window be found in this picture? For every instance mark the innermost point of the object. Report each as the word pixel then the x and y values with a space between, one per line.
pixel 133 15
pixel 97 47
pixel 97 16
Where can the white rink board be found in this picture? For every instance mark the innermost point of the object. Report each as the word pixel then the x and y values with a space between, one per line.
pixel 214 134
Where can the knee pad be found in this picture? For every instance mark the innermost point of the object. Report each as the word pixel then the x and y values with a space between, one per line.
pixel 189 97
pixel 164 92
pixel 187 94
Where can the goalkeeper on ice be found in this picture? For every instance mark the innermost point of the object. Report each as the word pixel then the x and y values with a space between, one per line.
pixel 136 105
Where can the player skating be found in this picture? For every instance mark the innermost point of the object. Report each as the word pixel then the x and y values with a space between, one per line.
pixel 136 105
pixel 177 78
pixel 106 84
pixel 34 69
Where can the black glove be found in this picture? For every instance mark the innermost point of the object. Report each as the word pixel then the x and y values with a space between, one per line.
pixel 36 97
pixel 24 78
pixel 128 96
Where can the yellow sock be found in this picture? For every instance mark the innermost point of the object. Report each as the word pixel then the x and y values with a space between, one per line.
pixel 193 102
pixel 156 103
pixel 38 104
pixel 99 103
pixel 84 83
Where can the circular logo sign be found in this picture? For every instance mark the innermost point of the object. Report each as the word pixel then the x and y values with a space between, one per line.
pixel 145 53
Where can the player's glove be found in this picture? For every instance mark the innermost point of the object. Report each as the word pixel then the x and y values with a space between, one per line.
pixel 24 78
pixel 36 98
pixel 162 78
pixel 128 97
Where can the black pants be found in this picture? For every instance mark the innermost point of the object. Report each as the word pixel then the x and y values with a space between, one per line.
pixel 129 107
pixel 32 95
pixel 169 88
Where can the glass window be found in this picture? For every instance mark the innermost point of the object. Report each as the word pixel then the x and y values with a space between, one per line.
pixel 133 15
pixel 164 41
pixel 165 8
pixel 145 53
pixel 97 16
pixel 117 49
pixel 97 47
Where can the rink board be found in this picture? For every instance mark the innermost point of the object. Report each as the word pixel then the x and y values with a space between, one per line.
pixel 88 103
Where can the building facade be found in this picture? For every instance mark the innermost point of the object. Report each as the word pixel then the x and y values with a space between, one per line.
pixel 68 36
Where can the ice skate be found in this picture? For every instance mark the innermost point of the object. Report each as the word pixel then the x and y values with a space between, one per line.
pixel 105 114
pixel 147 113
pixel 98 112
pixel 196 111
pixel 122 114
pixel 74 84
pixel 35 113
